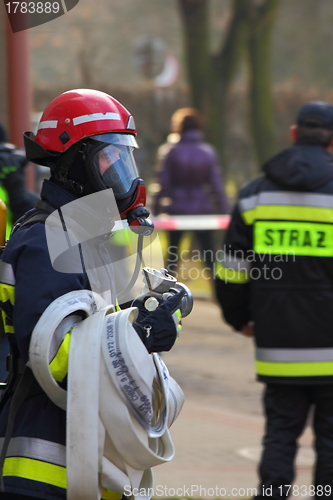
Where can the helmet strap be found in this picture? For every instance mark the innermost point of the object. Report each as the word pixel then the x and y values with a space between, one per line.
pixel 62 168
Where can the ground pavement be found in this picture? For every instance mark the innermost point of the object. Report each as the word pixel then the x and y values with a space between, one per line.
pixel 218 433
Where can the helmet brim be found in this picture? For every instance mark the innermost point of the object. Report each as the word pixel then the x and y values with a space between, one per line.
pixel 36 153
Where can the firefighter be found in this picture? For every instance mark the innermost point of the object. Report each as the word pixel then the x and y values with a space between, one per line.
pixel 16 197
pixel 275 284
pixel 87 138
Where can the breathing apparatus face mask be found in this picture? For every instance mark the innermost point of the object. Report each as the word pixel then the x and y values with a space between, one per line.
pixel 111 164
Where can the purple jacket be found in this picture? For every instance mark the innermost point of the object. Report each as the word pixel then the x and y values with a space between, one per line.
pixel 191 178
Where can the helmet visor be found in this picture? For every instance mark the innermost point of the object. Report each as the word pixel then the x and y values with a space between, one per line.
pixel 113 163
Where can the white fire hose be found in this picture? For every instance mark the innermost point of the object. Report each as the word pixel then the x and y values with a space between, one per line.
pixel 120 400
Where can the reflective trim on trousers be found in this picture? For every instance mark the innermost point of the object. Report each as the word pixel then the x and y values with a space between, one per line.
pixel 277 355
pixel 311 369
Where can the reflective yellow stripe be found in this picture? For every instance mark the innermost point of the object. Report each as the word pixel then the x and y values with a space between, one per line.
pixel 312 214
pixel 7 292
pixel 59 364
pixel 311 369
pixel 110 495
pixel 8 327
pixel 296 238
pixel 44 472
pixel 179 326
pixel 231 275
pixel 35 471
pixel 5 198
pixel 249 216
pixel 177 316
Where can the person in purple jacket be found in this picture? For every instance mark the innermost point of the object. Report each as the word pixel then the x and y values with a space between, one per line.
pixel 190 184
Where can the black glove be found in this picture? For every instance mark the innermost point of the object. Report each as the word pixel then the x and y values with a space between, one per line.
pixel 159 329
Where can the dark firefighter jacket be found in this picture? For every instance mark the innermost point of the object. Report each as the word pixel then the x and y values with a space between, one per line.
pixel 277 268
pixel 35 463
pixel 12 181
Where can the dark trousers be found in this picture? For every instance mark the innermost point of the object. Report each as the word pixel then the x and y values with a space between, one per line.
pixel 205 241
pixel 287 409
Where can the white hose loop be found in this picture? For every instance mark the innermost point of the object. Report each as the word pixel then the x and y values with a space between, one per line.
pixel 40 343
pixel 133 372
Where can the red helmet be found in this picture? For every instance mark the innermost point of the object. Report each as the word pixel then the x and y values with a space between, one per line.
pixel 74 115
pixel 103 130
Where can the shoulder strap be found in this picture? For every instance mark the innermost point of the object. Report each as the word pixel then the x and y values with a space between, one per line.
pixel 40 214
pixel 44 206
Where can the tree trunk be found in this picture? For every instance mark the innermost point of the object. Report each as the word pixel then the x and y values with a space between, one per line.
pixel 196 39
pixel 225 65
pixel 210 77
pixel 261 111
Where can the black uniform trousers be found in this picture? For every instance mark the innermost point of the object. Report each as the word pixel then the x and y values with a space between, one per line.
pixel 287 409
pixel 204 239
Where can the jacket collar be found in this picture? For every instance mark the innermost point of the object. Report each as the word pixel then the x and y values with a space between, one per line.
pixel 55 195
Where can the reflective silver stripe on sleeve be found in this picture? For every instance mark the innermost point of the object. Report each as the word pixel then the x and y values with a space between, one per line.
pixel 294 355
pixel 246 204
pixel 6 273
pixel 37 449
pixel 230 262
pixel 286 198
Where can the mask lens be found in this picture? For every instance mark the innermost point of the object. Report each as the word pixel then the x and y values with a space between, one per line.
pixel 115 164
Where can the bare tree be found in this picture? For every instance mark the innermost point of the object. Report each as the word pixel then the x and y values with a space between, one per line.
pixel 261 17
pixel 210 75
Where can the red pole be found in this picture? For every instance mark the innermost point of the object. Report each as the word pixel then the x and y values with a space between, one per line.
pixel 19 91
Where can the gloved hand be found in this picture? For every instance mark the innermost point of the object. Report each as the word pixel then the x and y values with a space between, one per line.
pixel 159 329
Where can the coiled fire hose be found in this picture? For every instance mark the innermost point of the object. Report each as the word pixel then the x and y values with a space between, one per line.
pixel 120 400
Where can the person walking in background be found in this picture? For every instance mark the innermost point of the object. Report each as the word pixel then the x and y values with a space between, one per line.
pixel 190 182
pixel 275 284
pixel 174 136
